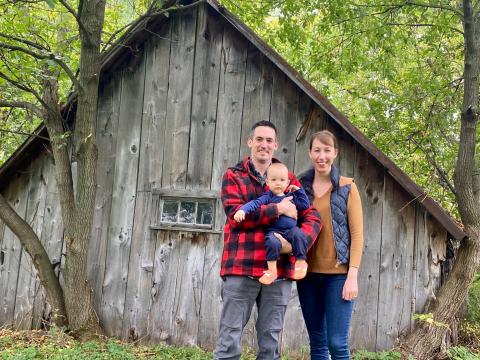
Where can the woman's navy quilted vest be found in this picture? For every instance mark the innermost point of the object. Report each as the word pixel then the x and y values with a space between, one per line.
pixel 338 210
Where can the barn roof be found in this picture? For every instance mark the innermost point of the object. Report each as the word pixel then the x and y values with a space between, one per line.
pixel 144 27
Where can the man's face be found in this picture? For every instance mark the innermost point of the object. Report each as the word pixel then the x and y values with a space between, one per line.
pixel 263 144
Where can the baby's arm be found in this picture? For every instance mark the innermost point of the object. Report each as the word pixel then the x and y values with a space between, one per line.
pixel 300 199
pixel 239 216
pixel 251 206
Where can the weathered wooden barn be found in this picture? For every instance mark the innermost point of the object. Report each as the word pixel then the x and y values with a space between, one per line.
pixel 177 100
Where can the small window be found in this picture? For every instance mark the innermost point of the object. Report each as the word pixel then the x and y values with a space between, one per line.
pixel 180 212
pixel 184 209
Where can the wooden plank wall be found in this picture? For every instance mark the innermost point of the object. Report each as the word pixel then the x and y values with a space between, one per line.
pixel 34 196
pixel 175 116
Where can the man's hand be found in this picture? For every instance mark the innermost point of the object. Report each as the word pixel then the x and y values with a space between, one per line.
pixel 287 208
pixel 286 246
pixel 239 216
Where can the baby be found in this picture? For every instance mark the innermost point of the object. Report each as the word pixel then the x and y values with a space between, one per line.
pixel 278 183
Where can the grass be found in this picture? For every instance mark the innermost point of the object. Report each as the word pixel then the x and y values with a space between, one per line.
pixel 57 345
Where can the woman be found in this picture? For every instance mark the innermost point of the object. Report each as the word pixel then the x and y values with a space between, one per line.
pixel 327 293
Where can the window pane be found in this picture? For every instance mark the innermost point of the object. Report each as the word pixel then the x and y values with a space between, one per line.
pixel 187 212
pixel 204 213
pixel 170 210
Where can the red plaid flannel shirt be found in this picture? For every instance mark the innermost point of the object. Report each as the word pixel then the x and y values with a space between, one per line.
pixel 244 243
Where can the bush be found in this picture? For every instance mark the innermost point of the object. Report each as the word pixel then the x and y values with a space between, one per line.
pixel 469 335
pixel 461 353
pixel 473 302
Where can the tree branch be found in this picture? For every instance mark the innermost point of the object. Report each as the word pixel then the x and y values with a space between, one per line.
pixel 31 91
pixel 24 41
pixel 48 56
pixel 24 133
pixel 434 6
pixel 413 3
pixel 370 14
pixel 67 6
pixel 426 25
pixel 22 105
pixel 437 167
pixel 148 14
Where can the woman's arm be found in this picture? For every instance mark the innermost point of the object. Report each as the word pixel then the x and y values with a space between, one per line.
pixel 355 223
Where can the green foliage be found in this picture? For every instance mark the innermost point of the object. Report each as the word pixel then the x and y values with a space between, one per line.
pixel 473 302
pixel 395 69
pixel 54 32
pixel 428 318
pixel 383 355
pixel 462 353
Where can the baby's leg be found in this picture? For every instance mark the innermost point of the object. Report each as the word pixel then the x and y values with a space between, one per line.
pixel 299 247
pixel 272 246
pixel 297 238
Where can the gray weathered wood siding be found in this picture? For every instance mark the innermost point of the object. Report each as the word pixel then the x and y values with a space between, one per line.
pixel 174 116
pixel 33 194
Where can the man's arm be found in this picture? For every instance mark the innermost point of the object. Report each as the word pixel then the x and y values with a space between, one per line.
pixel 310 224
pixel 233 196
pixel 308 221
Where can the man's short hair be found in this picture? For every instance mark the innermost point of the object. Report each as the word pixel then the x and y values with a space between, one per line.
pixel 263 123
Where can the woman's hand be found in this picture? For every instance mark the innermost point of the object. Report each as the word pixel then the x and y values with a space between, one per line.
pixel 350 288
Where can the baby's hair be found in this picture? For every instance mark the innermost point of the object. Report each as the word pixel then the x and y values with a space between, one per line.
pixel 325 137
pixel 277 166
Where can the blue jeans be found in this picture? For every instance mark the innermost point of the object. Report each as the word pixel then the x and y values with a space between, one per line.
pixel 327 316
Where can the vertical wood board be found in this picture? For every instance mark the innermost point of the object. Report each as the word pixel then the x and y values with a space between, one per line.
pixel 430 250
pixel 395 285
pixel 16 194
pixel 177 130
pixel 139 282
pixel 206 77
pixel 123 196
pixel 25 295
pixel 369 178
pixel 310 119
pixel 211 305
pixel 51 238
pixel 176 292
pixel 283 113
pixel 106 136
pixel 258 93
pixel 229 113
pixel 157 70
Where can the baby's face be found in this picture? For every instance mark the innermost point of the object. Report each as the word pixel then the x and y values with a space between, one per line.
pixel 277 180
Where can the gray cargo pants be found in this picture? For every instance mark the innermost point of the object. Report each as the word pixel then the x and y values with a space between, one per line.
pixel 239 293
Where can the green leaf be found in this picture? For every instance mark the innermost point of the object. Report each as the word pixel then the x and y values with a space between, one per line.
pixel 50 3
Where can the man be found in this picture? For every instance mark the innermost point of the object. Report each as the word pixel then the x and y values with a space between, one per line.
pixel 243 260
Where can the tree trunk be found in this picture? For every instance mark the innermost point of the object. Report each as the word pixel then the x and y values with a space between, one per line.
pixel 78 293
pixel 35 249
pixel 426 338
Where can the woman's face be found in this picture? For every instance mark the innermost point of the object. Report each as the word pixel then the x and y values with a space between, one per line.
pixel 322 156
